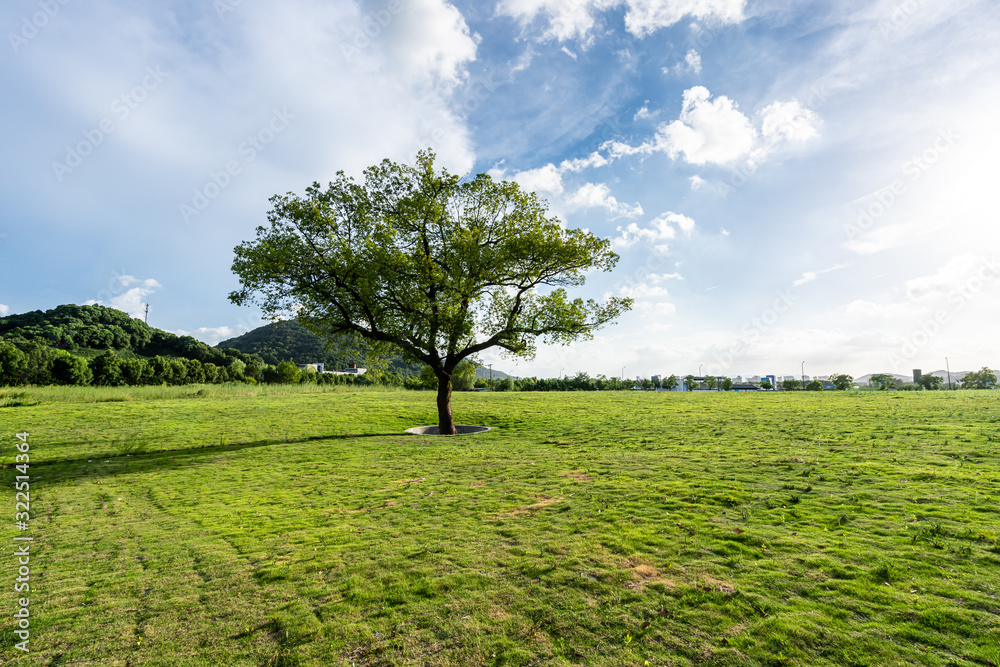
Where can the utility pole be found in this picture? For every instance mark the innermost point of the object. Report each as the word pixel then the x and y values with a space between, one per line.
pixel 949 372
pixel 145 320
pixel 491 375
pixel 623 373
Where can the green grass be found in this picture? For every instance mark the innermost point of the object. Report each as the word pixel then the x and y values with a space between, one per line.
pixel 295 526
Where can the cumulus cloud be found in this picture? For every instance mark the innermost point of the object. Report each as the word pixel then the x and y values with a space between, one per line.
pixel 595 159
pixel 708 131
pixel 661 229
pixel 121 295
pixel 548 182
pixel 715 131
pixel 789 121
pixel 598 195
pixel 4 310
pixel 576 20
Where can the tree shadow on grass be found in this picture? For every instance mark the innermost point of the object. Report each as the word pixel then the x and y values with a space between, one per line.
pixel 108 465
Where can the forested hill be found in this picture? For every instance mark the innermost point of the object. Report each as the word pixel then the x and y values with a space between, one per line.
pixel 80 329
pixel 288 340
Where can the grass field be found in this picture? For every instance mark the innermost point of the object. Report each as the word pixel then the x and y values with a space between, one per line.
pixel 243 526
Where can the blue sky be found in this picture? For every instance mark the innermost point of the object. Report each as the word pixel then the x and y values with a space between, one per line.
pixel 784 181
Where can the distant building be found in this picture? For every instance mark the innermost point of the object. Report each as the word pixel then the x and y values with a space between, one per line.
pixel 352 369
pixel 745 386
pixel 316 367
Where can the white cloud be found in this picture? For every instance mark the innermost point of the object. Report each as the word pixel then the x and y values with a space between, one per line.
pixel 429 40
pixel 642 291
pixel 643 113
pixel 543 180
pixel 715 131
pixel 569 53
pixel 4 310
pixel 693 61
pixel 964 272
pixel 657 278
pixel 576 19
pixel 598 195
pixel 523 62
pixel 566 20
pixel 692 64
pixel 697 182
pixel 662 228
pixel 788 121
pixel 647 16
pixel 131 301
pixel 708 131
pixel 548 182
pixel 595 159
pixel 809 276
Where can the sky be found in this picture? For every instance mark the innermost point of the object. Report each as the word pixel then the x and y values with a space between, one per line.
pixel 790 185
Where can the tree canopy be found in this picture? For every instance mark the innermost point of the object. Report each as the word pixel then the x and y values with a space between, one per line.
pixel 424 262
pixel 984 378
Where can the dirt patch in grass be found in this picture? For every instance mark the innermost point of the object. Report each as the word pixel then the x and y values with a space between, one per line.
pixel 578 476
pixel 543 502
pixel 644 574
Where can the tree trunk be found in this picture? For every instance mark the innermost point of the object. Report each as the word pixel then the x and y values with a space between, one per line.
pixel 446 423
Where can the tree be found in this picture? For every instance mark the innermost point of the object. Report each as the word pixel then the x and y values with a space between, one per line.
pixel 981 379
pixel 689 382
pixel 814 385
pixel 930 382
pixel 70 369
pixel 671 383
pixel 727 384
pixel 419 261
pixel 842 382
pixel 711 382
pixel 766 385
pixel 12 360
pixel 791 384
pixel 106 370
pixel 882 381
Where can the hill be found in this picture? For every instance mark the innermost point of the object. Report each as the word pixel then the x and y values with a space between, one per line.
pixel 89 330
pixel 287 340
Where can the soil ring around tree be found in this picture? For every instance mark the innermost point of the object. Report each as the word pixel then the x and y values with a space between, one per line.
pixel 462 429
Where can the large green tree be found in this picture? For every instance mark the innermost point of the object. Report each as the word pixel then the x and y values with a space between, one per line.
pixel 424 262
pixel 984 378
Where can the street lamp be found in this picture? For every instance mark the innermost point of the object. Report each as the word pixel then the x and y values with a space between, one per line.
pixel 491 375
pixel 623 373
pixel 699 370
pixel 803 375
pixel 949 372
